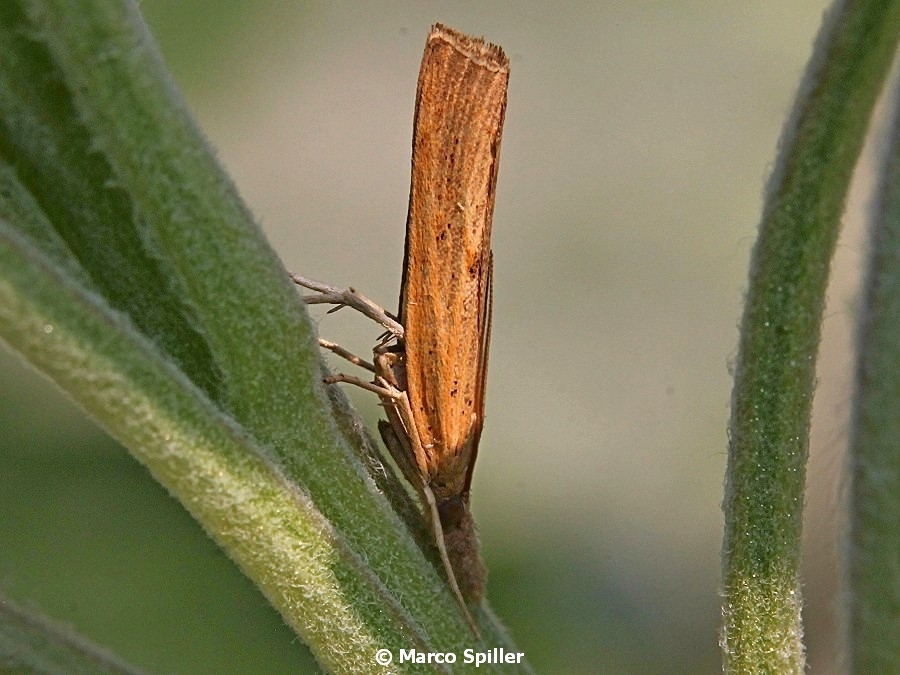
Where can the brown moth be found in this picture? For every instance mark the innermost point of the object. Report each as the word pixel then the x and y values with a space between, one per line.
pixel 445 301
pixel 432 379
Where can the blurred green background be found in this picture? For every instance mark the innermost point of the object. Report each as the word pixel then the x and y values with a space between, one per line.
pixel 638 139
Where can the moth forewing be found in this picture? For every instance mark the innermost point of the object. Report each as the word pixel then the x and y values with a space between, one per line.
pixel 461 100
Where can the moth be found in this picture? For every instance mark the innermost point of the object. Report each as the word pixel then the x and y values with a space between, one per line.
pixel 431 375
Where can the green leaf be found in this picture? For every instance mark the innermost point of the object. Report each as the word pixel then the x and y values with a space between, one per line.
pixel 32 644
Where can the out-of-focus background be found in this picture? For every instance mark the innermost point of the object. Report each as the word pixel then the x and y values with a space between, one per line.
pixel 637 142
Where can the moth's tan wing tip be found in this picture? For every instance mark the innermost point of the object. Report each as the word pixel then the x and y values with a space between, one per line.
pixel 485 54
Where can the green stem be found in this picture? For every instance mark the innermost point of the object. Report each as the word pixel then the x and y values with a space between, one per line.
pixel 775 370
pixel 874 556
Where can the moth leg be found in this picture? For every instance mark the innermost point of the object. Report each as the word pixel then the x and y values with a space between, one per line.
pixel 348 297
pixel 442 549
pixel 401 452
pixel 396 405
pixel 344 354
